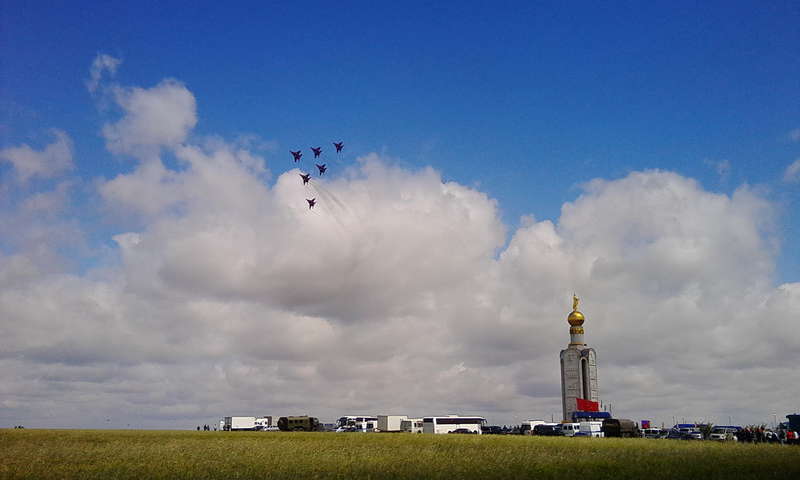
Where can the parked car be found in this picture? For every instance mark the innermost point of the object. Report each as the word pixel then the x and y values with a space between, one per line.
pixel 492 430
pixel 652 433
pixel 547 429
pixel 724 433
pixel 674 434
pixel 465 431
pixel 690 433
pixel 693 435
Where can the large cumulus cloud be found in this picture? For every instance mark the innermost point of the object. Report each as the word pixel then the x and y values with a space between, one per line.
pixel 401 293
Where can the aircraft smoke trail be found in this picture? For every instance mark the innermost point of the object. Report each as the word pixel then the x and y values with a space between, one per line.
pixel 327 193
pixel 330 204
pixel 342 229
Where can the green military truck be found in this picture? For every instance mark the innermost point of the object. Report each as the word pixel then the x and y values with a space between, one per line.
pixel 620 427
pixel 298 424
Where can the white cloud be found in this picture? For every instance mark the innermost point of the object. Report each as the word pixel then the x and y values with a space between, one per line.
pixel 792 172
pixel 53 160
pixel 156 117
pixel 794 135
pixel 102 63
pixel 230 295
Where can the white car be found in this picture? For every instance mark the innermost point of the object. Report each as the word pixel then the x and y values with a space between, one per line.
pixel 722 434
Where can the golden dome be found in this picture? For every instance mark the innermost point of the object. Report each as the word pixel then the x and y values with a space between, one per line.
pixel 575 318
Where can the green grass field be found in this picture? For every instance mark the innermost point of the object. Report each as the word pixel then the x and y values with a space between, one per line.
pixel 97 454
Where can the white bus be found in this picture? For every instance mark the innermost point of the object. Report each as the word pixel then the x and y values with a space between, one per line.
pixel 450 423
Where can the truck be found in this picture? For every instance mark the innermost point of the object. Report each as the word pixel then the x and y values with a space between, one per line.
pixel 264 423
pixel 299 424
pixel 357 423
pixel 233 424
pixel 390 423
pixel 412 425
pixel 620 427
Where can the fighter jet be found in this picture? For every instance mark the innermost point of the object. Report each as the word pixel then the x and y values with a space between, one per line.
pixel 321 168
pixel 339 146
pixel 305 177
pixel 296 155
pixel 317 151
pixel 311 202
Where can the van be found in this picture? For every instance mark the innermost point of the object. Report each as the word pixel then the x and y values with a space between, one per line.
pixel 591 429
pixel 570 429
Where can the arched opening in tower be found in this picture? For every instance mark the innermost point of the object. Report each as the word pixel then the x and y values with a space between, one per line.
pixel 586 392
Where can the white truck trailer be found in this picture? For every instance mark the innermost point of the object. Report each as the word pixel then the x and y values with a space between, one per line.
pixel 390 423
pixel 238 423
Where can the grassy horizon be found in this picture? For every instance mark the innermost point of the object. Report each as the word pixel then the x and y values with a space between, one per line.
pixel 129 454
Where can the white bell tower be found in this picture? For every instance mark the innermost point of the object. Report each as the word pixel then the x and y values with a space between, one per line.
pixel 578 366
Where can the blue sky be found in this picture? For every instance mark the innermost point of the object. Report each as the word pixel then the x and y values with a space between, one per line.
pixel 524 101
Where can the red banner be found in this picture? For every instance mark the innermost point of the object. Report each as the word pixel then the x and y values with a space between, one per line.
pixel 587 405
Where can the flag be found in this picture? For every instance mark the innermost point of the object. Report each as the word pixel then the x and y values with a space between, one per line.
pixel 587 405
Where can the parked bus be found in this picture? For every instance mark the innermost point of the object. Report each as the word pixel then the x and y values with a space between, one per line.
pixel 452 422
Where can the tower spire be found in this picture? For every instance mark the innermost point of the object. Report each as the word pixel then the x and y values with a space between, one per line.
pixel 576 320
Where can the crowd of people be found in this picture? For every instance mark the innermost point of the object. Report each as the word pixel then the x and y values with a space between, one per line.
pixel 756 434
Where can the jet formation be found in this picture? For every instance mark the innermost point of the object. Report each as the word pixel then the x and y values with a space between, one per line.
pixel 297 155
